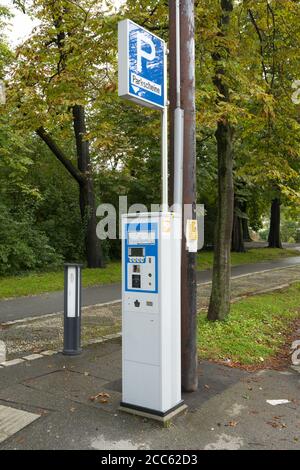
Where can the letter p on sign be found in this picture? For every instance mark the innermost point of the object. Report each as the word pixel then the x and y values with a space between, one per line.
pixel 141 53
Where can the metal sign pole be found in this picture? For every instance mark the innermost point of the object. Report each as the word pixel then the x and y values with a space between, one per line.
pixel 164 160
pixel 164 140
pixel 178 123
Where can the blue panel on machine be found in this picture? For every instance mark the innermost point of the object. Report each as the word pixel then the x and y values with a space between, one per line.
pixel 141 257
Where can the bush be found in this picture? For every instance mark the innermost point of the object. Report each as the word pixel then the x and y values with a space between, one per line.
pixel 23 246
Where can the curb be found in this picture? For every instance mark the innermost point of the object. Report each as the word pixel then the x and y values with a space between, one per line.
pixel 50 352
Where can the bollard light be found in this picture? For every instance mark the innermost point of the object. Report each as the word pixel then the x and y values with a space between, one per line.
pixel 72 310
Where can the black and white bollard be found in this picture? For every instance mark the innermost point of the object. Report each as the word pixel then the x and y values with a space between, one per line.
pixel 72 310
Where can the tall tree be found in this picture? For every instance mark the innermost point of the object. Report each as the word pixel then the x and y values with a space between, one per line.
pixel 60 78
pixel 276 134
pixel 219 305
pixel 274 238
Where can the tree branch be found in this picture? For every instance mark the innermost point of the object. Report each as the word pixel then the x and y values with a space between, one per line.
pixel 261 44
pixel 76 174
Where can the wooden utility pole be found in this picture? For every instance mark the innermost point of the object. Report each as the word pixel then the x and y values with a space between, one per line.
pixel 189 360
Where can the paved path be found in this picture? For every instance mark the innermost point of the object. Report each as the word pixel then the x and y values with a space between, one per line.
pixel 229 411
pixel 24 307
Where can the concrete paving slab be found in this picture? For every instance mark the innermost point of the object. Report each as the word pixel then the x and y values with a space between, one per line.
pixel 69 384
pixel 36 401
pixel 32 357
pixel 12 362
pixel 212 380
pixel 108 367
pixel 49 353
pixel 13 420
pixel 25 370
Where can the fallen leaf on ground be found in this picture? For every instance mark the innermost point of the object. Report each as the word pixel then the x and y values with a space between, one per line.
pixel 232 424
pixel 276 424
pixel 101 396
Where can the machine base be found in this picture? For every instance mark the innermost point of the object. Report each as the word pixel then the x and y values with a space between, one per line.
pixel 162 417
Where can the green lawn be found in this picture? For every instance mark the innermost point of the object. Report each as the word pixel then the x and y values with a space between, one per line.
pixel 37 283
pixel 255 330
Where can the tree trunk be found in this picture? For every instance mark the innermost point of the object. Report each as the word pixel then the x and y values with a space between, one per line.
pixel 274 233
pixel 237 244
pixel 245 224
pixel 246 232
pixel 83 177
pixel 86 193
pixel 219 306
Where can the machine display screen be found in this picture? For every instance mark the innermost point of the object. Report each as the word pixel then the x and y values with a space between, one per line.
pixel 136 252
pixel 141 238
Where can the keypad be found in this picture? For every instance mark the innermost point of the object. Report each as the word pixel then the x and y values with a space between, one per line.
pixel 136 260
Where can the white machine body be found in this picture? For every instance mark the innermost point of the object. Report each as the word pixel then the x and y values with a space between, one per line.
pixel 151 311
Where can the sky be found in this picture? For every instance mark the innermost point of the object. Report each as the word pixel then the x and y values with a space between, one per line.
pixel 22 25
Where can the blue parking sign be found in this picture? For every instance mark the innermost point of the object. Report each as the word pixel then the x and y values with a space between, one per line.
pixel 142 66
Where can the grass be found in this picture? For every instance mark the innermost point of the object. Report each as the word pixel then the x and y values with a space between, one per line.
pixel 255 331
pixel 254 255
pixel 38 283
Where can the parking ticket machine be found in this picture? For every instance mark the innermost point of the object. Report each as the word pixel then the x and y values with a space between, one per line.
pixel 151 312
